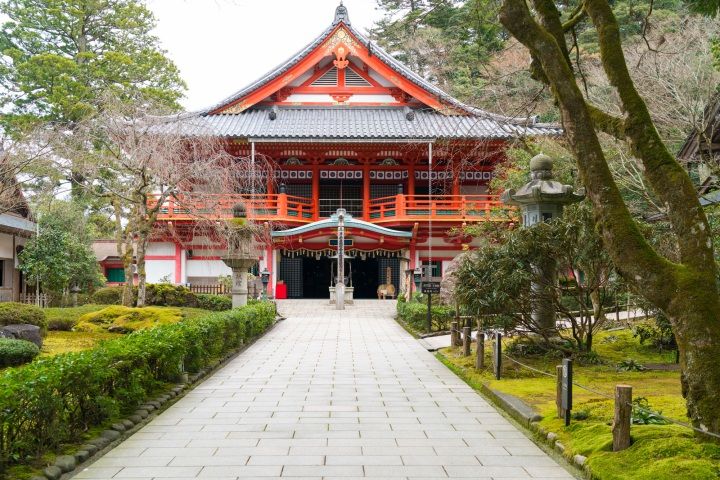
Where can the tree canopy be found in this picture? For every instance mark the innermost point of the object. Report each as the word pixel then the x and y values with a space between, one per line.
pixel 60 57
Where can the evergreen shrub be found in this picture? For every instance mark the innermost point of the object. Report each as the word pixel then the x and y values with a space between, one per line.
pixel 414 313
pixel 16 352
pixel 108 296
pixel 216 303
pixel 166 294
pixel 55 400
pixel 12 313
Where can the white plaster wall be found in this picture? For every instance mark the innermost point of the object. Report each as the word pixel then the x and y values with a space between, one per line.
pixel 207 268
pixel 161 249
pixel 302 97
pixel 157 269
pixel 372 99
pixel 380 79
pixel 6 246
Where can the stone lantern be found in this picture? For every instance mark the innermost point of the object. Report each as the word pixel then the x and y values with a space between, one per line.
pixel 541 200
pixel 242 253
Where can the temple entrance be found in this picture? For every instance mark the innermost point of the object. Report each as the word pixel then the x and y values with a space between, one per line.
pixel 316 277
pixel 308 277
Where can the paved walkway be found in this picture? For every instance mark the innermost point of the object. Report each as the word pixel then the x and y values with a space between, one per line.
pixel 325 395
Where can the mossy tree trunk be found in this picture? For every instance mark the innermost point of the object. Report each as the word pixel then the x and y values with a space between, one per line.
pixel 686 291
pixel 125 251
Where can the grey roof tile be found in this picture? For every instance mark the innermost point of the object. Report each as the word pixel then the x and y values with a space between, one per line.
pixel 383 123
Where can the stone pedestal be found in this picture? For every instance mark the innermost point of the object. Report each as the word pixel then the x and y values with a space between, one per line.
pixel 240 267
pixel 349 292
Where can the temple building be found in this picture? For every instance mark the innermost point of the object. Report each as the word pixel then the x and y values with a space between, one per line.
pixel 346 125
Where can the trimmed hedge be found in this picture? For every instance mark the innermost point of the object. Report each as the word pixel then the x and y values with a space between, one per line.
pixel 12 313
pixel 108 296
pixel 414 313
pixel 16 352
pixel 169 295
pixel 216 303
pixel 54 400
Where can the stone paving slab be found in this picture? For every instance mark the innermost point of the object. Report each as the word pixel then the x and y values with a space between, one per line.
pixel 327 395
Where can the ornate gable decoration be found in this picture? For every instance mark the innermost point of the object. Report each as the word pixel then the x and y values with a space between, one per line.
pixel 341 44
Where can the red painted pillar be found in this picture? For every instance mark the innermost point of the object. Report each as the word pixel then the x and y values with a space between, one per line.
pixel 178 263
pixel 270 265
pixel 366 193
pixel 316 192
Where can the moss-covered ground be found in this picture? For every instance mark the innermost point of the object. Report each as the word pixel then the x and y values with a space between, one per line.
pixel 658 452
pixel 70 341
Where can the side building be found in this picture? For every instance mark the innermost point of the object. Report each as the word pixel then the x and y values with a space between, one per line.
pixel 343 124
pixel 16 227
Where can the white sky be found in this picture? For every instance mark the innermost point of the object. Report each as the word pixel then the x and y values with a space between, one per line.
pixel 221 46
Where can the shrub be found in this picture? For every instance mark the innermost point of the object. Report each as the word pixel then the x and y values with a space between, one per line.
pixel 12 313
pixel 217 303
pixel 108 296
pixel 119 319
pixel 55 400
pixel 165 294
pixel 630 365
pixel 415 314
pixel 16 352
pixel 61 324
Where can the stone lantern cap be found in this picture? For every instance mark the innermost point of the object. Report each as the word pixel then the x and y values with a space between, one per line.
pixel 541 188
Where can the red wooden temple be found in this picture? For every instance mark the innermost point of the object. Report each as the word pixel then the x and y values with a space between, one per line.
pixel 345 125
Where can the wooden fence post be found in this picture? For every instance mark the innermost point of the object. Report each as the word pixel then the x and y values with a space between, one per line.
pixel 621 423
pixel 467 341
pixel 453 334
pixel 497 355
pixel 480 353
pixel 558 391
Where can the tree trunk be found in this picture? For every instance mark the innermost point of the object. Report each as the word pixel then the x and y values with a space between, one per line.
pixel 693 313
pixel 687 292
pixel 142 274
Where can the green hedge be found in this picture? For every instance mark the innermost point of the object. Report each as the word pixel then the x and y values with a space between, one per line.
pixel 54 400
pixel 108 296
pixel 16 352
pixel 414 313
pixel 12 313
pixel 216 303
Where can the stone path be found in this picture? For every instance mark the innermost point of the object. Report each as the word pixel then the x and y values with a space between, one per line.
pixel 326 395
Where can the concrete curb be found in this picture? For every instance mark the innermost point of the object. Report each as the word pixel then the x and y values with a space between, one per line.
pixel 66 467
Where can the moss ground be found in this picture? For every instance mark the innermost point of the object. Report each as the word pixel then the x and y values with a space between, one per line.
pixel 658 452
pixel 62 342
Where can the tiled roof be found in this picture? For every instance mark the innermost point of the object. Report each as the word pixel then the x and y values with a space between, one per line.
pixel 382 123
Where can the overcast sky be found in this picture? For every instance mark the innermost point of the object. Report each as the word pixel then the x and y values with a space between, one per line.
pixel 222 45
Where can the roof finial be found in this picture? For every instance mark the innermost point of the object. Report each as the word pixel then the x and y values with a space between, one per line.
pixel 341 14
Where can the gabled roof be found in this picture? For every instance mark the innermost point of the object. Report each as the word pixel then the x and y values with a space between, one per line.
pixel 349 222
pixel 707 140
pixel 432 114
pixel 342 22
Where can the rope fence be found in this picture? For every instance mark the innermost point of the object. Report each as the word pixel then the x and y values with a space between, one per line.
pixel 564 381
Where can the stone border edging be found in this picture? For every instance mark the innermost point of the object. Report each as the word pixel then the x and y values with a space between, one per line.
pixel 525 416
pixel 66 467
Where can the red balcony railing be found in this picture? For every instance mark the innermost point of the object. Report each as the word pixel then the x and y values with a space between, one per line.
pixel 404 208
pixel 290 209
pixel 259 207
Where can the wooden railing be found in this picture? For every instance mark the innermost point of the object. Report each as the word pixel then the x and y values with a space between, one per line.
pixel 290 209
pixel 259 207
pixel 438 207
pixel 215 289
